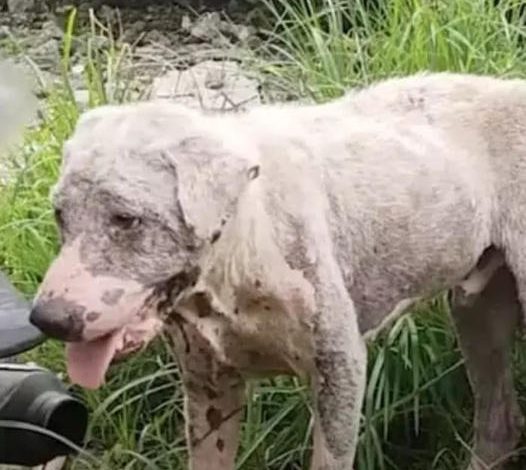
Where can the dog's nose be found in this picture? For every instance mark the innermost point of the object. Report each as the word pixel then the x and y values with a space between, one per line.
pixel 58 320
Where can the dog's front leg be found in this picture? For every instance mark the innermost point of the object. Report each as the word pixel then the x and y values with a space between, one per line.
pixel 214 399
pixel 212 423
pixel 339 382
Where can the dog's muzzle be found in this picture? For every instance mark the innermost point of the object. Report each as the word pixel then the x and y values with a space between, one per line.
pixel 58 319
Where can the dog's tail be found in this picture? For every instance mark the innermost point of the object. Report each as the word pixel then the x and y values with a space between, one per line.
pixel 18 104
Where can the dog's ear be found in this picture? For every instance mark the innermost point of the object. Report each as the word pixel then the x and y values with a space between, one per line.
pixel 210 178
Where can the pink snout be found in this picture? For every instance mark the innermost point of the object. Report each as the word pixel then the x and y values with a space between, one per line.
pixel 74 305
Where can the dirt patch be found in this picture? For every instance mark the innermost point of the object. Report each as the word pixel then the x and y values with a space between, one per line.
pixel 192 51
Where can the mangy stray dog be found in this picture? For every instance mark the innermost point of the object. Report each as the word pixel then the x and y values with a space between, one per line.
pixel 281 239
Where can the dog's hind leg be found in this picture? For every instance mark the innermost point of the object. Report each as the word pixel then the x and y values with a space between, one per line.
pixel 485 324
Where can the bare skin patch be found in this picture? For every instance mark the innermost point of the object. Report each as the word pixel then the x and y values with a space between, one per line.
pixel 112 297
pixel 203 306
pixel 211 392
pixel 253 172
pixel 215 236
pixel 92 316
pixel 165 292
pixel 220 444
pixel 177 320
pixel 214 417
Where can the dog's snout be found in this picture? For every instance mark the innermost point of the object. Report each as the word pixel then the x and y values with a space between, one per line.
pixel 58 319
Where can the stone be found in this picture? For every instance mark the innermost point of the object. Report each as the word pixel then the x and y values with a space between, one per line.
pixel 21 6
pixel 77 77
pixel 4 32
pixel 156 37
pixel 186 23
pixel 134 33
pixel 207 27
pixel 108 14
pixel 82 97
pixel 211 85
pixel 46 54
pixel 52 30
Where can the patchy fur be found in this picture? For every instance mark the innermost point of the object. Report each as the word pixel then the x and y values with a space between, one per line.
pixel 279 240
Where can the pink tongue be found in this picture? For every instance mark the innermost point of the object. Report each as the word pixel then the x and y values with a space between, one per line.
pixel 88 361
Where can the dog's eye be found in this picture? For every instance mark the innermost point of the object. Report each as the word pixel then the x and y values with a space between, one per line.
pixel 126 222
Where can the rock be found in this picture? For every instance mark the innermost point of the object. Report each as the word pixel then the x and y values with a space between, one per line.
pixel 84 8
pixel 186 23
pixel 244 33
pixel 47 54
pixel 76 76
pixel 212 85
pixel 156 37
pixel 236 32
pixel 134 33
pixel 207 27
pixel 107 14
pixel 21 6
pixel 82 98
pixel 77 70
pixel 52 30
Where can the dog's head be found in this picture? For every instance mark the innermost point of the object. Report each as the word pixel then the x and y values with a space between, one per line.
pixel 141 190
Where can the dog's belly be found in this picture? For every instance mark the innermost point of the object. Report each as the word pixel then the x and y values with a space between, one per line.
pixel 375 311
pixel 381 293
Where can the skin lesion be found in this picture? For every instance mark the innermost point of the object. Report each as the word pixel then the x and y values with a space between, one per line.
pixel 112 297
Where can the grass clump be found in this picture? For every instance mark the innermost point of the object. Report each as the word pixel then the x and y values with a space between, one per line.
pixel 417 411
pixel 321 48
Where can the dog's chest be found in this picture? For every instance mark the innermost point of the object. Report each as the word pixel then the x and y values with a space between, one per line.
pixel 257 336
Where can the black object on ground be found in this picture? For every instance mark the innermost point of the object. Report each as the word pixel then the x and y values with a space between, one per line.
pixel 16 333
pixel 38 416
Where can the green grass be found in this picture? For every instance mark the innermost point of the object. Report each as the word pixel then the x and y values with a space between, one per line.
pixel 417 412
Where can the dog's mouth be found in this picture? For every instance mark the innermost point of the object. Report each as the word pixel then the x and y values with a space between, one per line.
pixel 88 361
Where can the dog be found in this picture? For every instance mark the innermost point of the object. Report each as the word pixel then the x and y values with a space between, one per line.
pixel 280 240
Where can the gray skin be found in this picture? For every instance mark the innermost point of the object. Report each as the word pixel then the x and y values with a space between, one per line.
pixel 280 240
